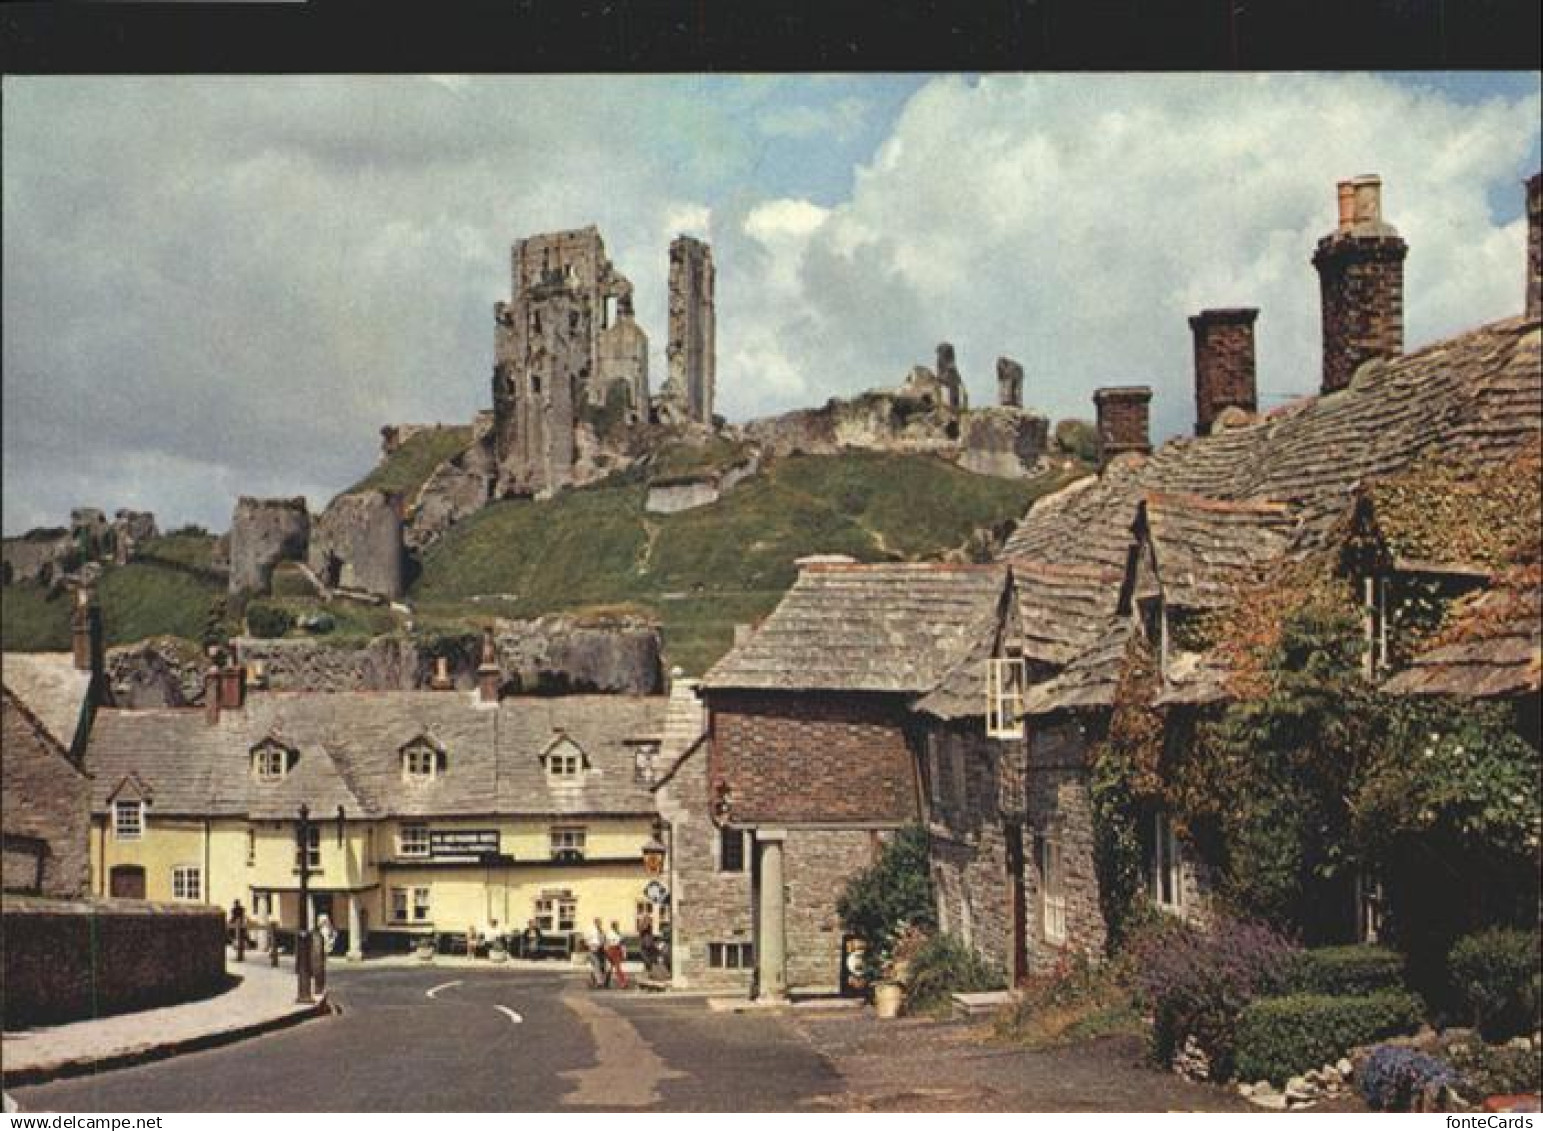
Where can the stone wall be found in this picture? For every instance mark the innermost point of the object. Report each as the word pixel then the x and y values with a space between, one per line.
pixel 1004 442
pixel 65 961
pixel 708 905
pixel 550 656
pixel 160 672
pixel 44 808
pixel 692 330
pixel 459 487
pixel 676 495
pixel 356 543
pixel 811 758
pixel 1060 806
pixel 969 851
pixel 817 864
pixel 39 556
pixel 264 532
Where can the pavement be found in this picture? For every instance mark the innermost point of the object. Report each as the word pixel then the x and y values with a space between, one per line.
pixel 260 1000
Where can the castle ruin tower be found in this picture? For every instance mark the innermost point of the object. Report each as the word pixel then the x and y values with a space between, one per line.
pixel 693 329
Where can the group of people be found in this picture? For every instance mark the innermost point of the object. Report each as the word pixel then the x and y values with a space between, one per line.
pixel 608 950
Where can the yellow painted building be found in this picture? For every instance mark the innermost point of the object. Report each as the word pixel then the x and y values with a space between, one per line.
pixel 428 812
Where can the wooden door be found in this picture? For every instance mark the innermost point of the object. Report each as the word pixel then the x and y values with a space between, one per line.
pixel 1017 901
pixel 127 881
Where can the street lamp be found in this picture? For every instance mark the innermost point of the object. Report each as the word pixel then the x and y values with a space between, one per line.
pixel 653 854
pixel 303 927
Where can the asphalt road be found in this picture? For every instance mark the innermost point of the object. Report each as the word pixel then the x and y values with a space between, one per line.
pixel 505 1041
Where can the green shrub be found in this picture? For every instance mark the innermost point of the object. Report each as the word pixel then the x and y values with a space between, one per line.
pixel 1346 970
pixel 1279 1037
pixel 1077 438
pixel 1496 975
pixel 944 966
pixel 1493 1070
pixel 267 621
pixel 1077 999
pixel 895 891
pixel 288 581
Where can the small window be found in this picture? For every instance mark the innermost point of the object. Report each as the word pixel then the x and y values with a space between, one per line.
pixel 413 840
pixel 1165 875
pixel 731 955
pixel 271 762
pixel 557 912
pixel 567 843
pixel 310 857
pixel 128 820
pixel 1006 682
pixel 187 883
pixel 1052 890
pixel 731 850
pixel 564 759
pixel 1374 615
pixel 399 905
pixel 422 762
pixel 420 905
pixel 645 756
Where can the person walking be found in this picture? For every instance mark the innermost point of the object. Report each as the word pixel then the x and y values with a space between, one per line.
pixel 617 953
pixel 599 969
pixel 238 928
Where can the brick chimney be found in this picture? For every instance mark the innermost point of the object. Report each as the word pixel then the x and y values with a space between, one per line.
pixel 489 675
pixel 1534 245
pixel 1224 363
pixel 441 680
pixel 212 692
pixel 1124 423
pixel 80 630
pixel 1361 278
pixel 1009 383
pixel 232 693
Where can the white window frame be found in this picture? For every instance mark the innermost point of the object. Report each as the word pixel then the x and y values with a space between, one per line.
pixel 565 760
pixel 270 762
pixel 1007 681
pixel 187 883
pixel 1052 889
pixel 568 838
pixel 1167 863
pixel 557 913
pixel 1374 616
pixel 420 762
pixel 423 910
pixel 132 829
pixel 736 955
pixel 401 905
pixel 312 849
pixel 412 841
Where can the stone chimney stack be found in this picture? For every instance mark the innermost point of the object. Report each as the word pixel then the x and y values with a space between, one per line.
pixel 1361 278
pixel 1534 245
pixel 1009 383
pixel 80 630
pixel 232 692
pixel 1224 364
pixel 441 680
pixel 1124 421
pixel 489 676
pixel 212 692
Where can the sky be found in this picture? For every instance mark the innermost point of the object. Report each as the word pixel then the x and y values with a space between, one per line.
pixel 217 286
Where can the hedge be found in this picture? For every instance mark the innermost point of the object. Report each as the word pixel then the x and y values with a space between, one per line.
pixel 1496 973
pixel 1280 1037
pixel 1346 970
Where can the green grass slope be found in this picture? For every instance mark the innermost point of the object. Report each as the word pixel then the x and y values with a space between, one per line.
pixel 138 600
pixel 702 571
pixel 409 467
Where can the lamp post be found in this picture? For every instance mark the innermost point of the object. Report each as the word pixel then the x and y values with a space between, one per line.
pixel 303 926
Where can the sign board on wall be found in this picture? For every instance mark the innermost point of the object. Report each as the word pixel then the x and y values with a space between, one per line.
pixel 462 844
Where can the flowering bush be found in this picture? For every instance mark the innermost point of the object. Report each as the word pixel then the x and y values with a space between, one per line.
pixel 1197 983
pixel 1394 1078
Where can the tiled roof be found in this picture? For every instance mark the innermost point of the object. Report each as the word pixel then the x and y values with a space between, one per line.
pixel 1205 549
pixel 895 628
pixel 1479 394
pixel 1495 648
pixel 50 687
pixel 1088 681
pixel 349 753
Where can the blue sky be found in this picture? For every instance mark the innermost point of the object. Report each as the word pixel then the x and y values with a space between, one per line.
pixel 225 285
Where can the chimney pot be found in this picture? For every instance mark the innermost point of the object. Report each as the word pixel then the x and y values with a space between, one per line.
pixel 212 693
pixel 441 680
pixel 489 675
pixel 1346 205
pixel 1361 284
pixel 1124 421
pixel 1224 364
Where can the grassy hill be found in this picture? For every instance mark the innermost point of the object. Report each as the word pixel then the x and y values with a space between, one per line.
pixel 138 600
pixel 703 571
pixel 409 467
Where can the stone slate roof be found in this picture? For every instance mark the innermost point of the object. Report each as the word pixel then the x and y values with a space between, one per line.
pixel 1088 681
pixel 1494 647
pixel 1205 549
pixel 1479 393
pixel 849 627
pixel 348 747
pixel 48 685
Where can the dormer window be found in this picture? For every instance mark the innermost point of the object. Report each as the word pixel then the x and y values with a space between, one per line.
pixel 272 760
pixel 1006 683
pixel 423 760
pixel 128 819
pixel 564 760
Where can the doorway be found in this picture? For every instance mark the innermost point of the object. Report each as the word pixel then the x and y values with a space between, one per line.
pixel 1017 901
pixel 126 881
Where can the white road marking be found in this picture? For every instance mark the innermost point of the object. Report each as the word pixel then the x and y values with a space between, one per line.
pixel 509 1013
pixel 436 989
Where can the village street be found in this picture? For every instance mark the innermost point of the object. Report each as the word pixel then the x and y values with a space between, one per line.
pixel 537 1041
